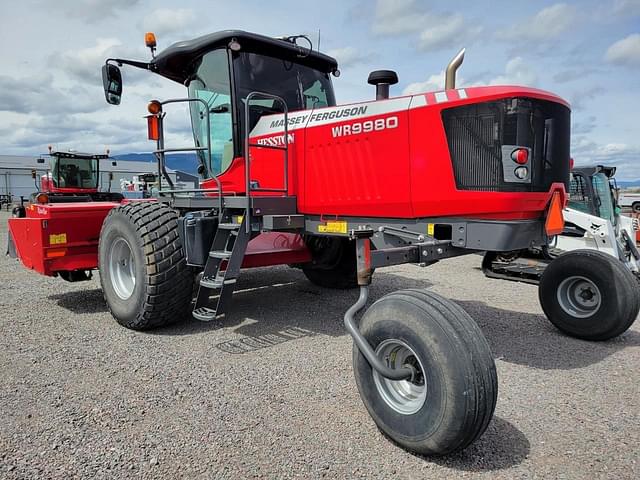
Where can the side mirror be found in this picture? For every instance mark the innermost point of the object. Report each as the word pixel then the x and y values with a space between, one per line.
pixel 110 176
pixel 112 83
pixel 40 160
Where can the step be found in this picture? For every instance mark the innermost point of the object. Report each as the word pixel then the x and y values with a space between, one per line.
pixel 229 226
pixel 215 282
pixel 219 254
pixel 204 314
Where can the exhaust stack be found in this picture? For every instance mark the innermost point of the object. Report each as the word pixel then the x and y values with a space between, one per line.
pixel 452 68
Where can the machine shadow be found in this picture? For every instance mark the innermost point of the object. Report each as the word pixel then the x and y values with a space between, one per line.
pixel 531 340
pixel 81 301
pixel 501 446
pixel 277 304
pixel 280 302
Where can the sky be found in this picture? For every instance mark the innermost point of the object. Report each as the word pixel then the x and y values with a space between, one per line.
pixel 586 51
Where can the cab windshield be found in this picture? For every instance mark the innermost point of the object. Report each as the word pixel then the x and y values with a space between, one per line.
pixel 75 172
pixel 300 86
pixel 604 197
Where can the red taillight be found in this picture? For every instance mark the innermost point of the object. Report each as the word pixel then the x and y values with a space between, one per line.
pixel 520 156
pixel 571 164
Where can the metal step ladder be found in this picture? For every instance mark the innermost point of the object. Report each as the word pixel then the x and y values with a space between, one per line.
pixel 223 265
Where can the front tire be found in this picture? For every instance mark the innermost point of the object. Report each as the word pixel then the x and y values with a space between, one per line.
pixel 636 207
pixel 144 276
pixel 589 295
pixel 451 401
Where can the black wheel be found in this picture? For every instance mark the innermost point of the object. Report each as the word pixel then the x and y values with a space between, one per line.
pixel 451 401
pixel 144 276
pixel 590 295
pixel 636 207
pixel 334 264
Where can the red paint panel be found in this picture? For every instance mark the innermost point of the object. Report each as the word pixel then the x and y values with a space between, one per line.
pixel 364 174
pixel 79 222
pixel 276 248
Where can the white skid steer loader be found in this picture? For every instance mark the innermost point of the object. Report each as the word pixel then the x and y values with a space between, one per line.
pixel 570 288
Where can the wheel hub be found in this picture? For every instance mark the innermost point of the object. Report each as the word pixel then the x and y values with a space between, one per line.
pixel 122 272
pixel 404 396
pixel 579 297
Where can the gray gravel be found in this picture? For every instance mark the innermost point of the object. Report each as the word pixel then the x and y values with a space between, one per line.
pixel 269 392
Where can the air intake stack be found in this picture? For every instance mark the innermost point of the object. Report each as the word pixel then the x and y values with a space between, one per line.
pixel 382 79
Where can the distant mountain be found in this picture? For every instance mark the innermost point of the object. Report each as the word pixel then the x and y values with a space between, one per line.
pixel 185 162
pixel 628 183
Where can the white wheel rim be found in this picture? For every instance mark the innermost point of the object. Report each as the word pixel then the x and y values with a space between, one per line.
pixel 122 269
pixel 579 297
pixel 403 396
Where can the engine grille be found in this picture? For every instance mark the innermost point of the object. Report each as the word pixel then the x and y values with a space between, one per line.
pixel 477 132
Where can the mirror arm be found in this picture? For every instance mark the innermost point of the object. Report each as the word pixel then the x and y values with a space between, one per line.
pixel 133 63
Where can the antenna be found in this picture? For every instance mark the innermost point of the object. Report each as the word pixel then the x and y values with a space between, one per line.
pixel 318 40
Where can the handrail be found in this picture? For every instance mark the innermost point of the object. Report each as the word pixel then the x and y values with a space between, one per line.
pixel 160 152
pixel 248 144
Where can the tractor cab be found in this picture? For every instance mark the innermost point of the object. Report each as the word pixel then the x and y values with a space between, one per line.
pixel 233 78
pixel 71 177
pixel 592 191
pixel 71 173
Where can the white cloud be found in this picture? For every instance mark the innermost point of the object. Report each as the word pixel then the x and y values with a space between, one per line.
pixel 433 83
pixel 38 95
pixel 547 24
pixel 86 62
pixel 517 72
pixel 349 56
pixel 619 154
pixel 625 51
pixel 584 126
pixel 581 99
pixel 396 17
pixel 448 31
pixel 92 10
pixel 627 8
pixel 436 30
pixel 166 20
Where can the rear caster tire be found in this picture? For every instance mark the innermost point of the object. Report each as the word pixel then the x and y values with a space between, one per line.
pixel 143 272
pixel 451 401
pixel 589 295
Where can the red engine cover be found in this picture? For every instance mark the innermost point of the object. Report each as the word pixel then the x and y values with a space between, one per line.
pixel 387 158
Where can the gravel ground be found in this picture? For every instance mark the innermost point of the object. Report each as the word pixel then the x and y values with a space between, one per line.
pixel 270 393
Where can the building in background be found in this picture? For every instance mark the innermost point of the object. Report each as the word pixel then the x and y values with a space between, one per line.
pixel 16 179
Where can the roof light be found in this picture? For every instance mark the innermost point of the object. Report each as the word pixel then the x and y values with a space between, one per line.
pixel 520 156
pixel 234 45
pixel 42 198
pixel 150 39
